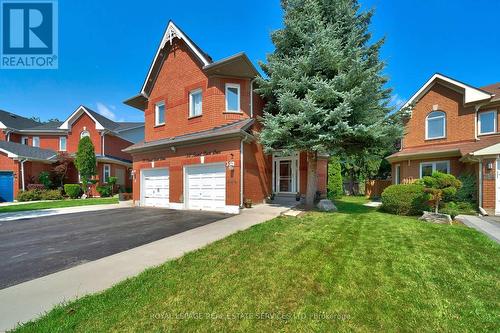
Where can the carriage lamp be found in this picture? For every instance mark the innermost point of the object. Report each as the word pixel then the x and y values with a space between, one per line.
pixel 230 164
pixel 132 174
pixel 489 166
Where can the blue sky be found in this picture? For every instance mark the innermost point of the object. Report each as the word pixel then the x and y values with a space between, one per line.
pixel 105 47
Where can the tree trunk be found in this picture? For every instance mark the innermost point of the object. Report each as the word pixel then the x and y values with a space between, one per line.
pixel 312 181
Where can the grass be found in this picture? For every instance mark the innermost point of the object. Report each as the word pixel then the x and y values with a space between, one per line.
pixel 57 204
pixel 357 270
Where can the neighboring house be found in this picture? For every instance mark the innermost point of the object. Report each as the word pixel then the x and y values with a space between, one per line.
pixel 28 147
pixel 200 150
pixel 453 128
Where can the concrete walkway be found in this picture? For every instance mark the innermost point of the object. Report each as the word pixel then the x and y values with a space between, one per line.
pixel 28 300
pixel 482 224
pixel 28 214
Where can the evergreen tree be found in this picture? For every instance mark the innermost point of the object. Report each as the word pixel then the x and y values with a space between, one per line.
pixel 335 186
pixel 85 161
pixel 324 88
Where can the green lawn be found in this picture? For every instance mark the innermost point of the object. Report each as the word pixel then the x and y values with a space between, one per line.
pixel 357 270
pixel 57 204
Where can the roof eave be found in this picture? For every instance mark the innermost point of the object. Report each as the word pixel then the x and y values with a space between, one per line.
pixel 424 154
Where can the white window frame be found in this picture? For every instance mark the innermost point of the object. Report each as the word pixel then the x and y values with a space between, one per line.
pixel 494 122
pixel 84 133
pixel 191 104
pixel 106 167
pixel 65 143
pixel 427 126
pixel 157 113
pixel 25 138
pixel 237 86
pixel 433 164
pixel 37 139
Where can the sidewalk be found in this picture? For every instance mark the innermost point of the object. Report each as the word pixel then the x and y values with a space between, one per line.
pixel 28 214
pixel 481 224
pixel 28 300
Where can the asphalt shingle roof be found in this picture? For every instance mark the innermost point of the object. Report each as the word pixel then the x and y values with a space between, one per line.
pixel 27 151
pixel 15 121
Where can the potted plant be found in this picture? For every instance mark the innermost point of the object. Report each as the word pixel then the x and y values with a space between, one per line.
pixel 247 203
pixel 297 196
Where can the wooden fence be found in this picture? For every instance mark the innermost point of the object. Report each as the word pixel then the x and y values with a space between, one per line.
pixel 375 187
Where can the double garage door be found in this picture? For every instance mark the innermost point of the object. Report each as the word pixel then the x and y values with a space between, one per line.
pixel 204 187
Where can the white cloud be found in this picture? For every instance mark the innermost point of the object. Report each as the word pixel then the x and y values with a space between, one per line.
pixel 106 111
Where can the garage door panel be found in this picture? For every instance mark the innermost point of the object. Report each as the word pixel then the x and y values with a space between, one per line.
pixel 156 188
pixel 206 187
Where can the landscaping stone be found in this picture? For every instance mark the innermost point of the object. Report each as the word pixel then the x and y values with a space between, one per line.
pixel 436 218
pixel 326 205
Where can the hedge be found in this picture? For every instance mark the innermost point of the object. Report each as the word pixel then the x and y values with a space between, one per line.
pixel 73 190
pixel 405 199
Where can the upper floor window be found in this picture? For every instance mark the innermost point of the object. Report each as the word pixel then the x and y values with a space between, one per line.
pixel 62 143
pixel 232 97
pixel 435 125
pixel 427 168
pixel 84 134
pixel 195 103
pixel 106 173
pixel 159 113
pixel 25 140
pixel 36 141
pixel 487 122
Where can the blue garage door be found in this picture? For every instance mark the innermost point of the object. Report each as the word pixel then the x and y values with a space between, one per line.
pixel 6 186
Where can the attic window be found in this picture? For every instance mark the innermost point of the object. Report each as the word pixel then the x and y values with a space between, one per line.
pixel 84 134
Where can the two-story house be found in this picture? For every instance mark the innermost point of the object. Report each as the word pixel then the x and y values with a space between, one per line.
pixel 200 149
pixel 453 128
pixel 28 147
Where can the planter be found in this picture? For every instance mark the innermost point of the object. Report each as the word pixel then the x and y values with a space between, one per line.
pixel 247 203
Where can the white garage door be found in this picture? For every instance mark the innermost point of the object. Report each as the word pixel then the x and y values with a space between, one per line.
pixel 206 187
pixel 155 188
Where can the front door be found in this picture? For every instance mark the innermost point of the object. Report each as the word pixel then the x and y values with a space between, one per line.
pixel 285 174
pixel 497 196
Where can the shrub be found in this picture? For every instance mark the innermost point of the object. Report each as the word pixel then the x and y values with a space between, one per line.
pixel 104 191
pixel 39 187
pixel 441 186
pixel 72 190
pixel 468 191
pixel 44 178
pixel 457 208
pixel 31 195
pixel 335 189
pixel 52 195
pixel 405 199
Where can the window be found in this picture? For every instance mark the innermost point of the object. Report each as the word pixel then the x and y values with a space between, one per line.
pixel 487 122
pixel 427 168
pixel 195 103
pixel 24 140
pixel 435 125
pixel 62 143
pixel 84 134
pixel 159 114
pixel 106 173
pixel 36 141
pixel 232 97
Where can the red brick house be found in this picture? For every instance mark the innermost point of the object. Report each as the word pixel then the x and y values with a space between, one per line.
pixel 28 147
pixel 453 128
pixel 200 149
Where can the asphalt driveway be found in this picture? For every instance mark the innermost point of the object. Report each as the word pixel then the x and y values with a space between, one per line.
pixel 36 247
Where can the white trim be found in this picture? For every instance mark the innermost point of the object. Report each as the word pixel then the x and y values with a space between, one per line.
pixel 75 115
pixel 2 126
pixel 157 113
pixel 295 160
pixel 84 133
pixel 241 171
pixel 438 117
pixel 238 87
pixel 9 154
pixel 25 138
pixel 433 164
pixel 104 167
pixel 479 114
pixel 172 32
pixel 33 141
pixel 65 143
pixel 490 150
pixel 471 94
pixel 141 187
pixel 191 104
pixel 480 180
pixel 497 186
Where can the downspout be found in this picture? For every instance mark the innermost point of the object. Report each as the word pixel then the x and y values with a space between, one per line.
pixel 476 130
pixel 480 187
pixel 241 172
pixel 251 97
pixel 8 135
pixel 22 173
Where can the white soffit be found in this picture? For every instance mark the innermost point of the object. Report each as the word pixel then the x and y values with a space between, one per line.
pixel 81 109
pixel 2 126
pixel 172 32
pixel 471 94
pixel 491 150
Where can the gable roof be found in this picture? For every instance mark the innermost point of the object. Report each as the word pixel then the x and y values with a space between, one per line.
pixel 493 89
pixel 471 94
pixel 18 150
pixel 14 121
